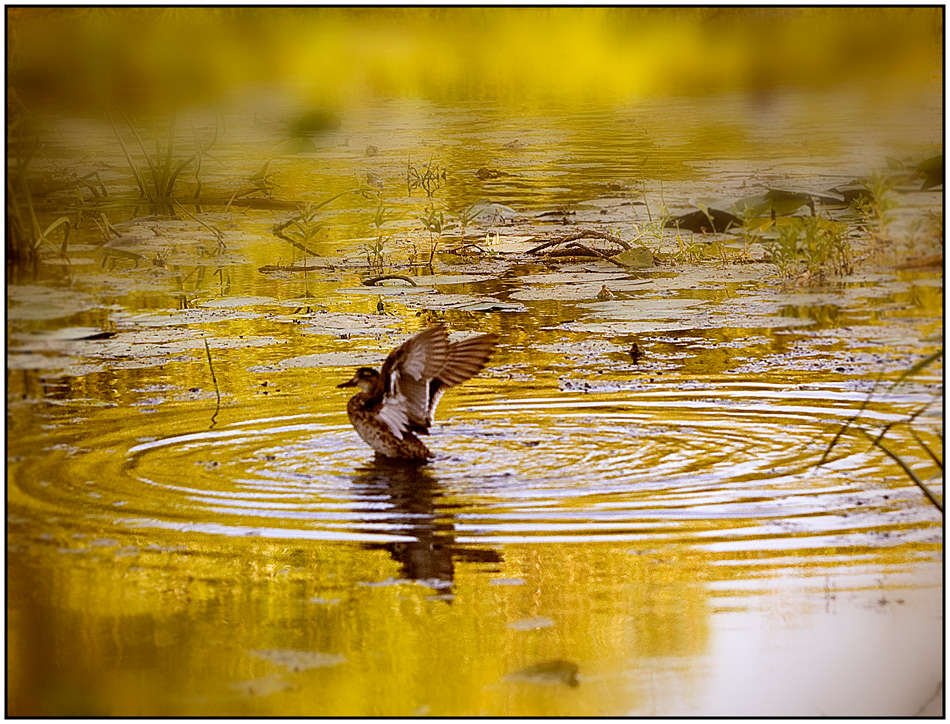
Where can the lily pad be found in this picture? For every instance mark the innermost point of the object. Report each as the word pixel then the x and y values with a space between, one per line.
pixel 341 324
pixel 332 359
pixel 566 278
pixel 34 303
pixel 635 258
pixel 181 317
pixel 584 348
pixel 667 308
pixel 614 328
pixel 464 303
pixel 34 361
pixel 531 624
pixel 487 212
pixel 437 280
pixel 702 222
pixel 75 333
pixel 231 302
pixel 575 292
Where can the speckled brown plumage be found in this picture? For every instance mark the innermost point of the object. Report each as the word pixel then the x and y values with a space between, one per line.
pixel 397 403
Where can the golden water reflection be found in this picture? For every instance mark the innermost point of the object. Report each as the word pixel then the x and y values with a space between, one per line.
pixel 176 625
pixel 598 535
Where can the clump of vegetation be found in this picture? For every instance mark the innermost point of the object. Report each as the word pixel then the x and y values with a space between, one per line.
pixel 263 181
pixel 876 207
pixel 375 258
pixel 158 185
pixel 435 222
pixel 26 234
pixel 301 230
pixel 429 177
pixel 808 249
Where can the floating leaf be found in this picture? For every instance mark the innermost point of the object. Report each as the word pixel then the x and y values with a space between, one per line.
pixel 635 258
pixel 230 302
pixel 437 280
pixel 702 222
pixel 486 212
pixel 575 292
pixel 463 302
pixel 568 277
pixel 349 323
pixel 332 359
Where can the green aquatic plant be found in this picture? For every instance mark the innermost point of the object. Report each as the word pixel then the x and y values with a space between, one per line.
pixel 263 180
pixel 375 257
pixel 429 177
pixel 877 206
pixel 435 222
pixel 302 228
pixel 469 214
pixel 807 249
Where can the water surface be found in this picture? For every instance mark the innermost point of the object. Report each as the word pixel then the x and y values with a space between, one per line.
pixel 596 535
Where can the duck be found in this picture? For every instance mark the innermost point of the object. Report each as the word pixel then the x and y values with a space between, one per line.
pixel 397 403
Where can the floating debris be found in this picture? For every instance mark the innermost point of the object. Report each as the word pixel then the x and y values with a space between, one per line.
pixel 486 174
pixel 297 660
pixel 531 624
pixel 558 671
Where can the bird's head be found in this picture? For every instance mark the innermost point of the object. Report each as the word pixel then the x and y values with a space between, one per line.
pixel 365 378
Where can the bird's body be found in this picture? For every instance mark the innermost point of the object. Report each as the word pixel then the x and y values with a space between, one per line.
pixel 397 403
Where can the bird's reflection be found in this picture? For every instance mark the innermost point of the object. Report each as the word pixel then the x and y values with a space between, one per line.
pixel 414 494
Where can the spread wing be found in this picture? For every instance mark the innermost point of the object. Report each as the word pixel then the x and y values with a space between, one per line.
pixel 404 378
pixel 416 373
pixel 465 359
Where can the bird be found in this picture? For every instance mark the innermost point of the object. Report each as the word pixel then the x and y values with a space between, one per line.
pixel 398 402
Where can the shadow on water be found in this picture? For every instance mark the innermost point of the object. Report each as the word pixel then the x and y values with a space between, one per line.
pixel 421 513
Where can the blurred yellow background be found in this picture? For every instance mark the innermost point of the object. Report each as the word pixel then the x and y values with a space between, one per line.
pixel 160 58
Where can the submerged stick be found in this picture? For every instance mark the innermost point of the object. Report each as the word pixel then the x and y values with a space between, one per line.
pixel 214 379
pixel 906 468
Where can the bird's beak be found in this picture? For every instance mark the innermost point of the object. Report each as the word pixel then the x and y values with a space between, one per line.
pixel 350 383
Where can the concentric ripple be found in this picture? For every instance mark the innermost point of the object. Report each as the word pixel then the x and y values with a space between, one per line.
pixel 726 468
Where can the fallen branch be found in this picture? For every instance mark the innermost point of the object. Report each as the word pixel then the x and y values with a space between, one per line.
pixel 596 253
pixel 583 234
pixel 373 280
